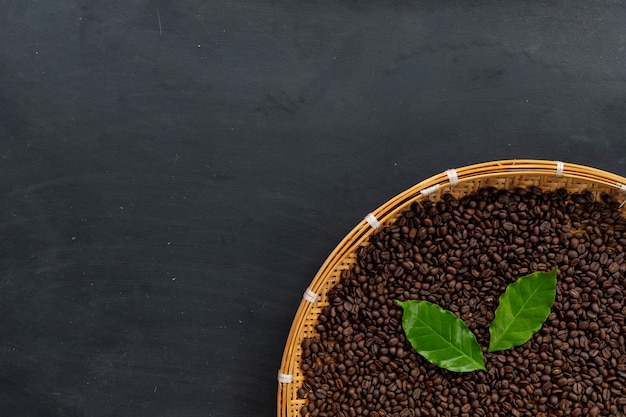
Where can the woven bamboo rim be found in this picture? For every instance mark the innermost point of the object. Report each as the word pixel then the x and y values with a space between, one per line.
pixel 506 174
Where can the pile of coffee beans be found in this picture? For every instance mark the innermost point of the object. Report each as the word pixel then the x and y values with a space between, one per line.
pixel 461 254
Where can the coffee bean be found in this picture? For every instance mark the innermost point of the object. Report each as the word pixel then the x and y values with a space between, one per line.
pixel 460 254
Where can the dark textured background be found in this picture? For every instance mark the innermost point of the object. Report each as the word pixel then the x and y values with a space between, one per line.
pixel 169 191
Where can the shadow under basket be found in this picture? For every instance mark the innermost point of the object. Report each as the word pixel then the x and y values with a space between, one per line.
pixel 506 174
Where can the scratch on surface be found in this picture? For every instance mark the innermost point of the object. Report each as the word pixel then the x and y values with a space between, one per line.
pixel 159 19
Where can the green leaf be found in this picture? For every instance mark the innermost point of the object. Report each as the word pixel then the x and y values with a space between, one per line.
pixel 522 310
pixel 441 337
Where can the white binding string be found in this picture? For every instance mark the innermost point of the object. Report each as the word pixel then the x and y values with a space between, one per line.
pixel 284 378
pixel 373 221
pixel 622 189
pixel 430 190
pixel 452 177
pixel 560 167
pixel 310 296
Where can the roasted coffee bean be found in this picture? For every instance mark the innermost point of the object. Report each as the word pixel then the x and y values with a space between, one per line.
pixel 461 254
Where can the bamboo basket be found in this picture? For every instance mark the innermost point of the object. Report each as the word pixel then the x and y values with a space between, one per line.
pixel 505 174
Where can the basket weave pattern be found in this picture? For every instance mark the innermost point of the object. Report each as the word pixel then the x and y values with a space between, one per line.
pixel 509 174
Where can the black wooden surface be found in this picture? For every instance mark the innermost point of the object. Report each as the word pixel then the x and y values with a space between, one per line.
pixel 174 172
